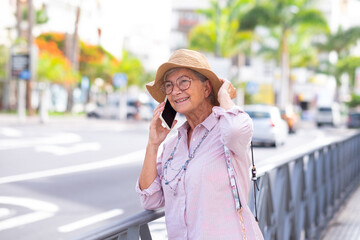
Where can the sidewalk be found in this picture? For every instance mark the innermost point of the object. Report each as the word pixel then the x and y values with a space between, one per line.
pixel 346 224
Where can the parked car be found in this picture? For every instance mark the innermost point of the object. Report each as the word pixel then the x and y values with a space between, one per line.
pixel 134 110
pixel 353 120
pixel 107 111
pixel 139 111
pixel 269 127
pixel 328 115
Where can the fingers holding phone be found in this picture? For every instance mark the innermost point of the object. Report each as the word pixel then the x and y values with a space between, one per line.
pixel 159 128
pixel 168 115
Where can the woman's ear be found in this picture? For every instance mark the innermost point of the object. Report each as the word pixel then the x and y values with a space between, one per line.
pixel 208 88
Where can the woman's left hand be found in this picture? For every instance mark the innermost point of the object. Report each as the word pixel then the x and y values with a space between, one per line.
pixel 226 93
pixel 226 89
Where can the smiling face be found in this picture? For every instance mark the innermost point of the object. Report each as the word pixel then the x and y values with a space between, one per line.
pixel 194 98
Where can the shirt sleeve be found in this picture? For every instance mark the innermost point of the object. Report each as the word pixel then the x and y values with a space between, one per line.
pixel 152 197
pixel 236 128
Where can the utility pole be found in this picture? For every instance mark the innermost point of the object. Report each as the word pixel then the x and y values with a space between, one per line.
pixel 21 86
pixel 18 18
pixel 30 51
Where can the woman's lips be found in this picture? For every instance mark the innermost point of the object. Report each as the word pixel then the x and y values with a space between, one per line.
pixel 180 100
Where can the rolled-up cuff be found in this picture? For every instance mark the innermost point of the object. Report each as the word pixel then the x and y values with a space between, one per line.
pixel 153 188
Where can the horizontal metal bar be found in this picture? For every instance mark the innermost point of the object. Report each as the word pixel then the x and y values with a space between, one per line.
pixel 123 225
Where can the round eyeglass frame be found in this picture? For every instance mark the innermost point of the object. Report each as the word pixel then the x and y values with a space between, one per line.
pixel 177 84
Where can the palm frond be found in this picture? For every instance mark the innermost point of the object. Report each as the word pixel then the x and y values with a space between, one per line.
pixel 312 18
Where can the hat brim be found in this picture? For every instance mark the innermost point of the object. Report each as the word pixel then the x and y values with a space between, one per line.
pixel 154 86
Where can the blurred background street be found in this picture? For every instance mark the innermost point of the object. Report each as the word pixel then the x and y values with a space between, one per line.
pixel 74 112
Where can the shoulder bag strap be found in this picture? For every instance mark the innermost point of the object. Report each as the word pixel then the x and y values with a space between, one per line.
pixel 234 187
pixel 254 179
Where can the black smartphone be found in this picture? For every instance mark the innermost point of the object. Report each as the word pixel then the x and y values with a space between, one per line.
pixel 168 115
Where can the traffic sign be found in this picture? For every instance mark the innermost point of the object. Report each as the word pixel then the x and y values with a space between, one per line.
pixel 25 75
pixel 20 66
pixel 119 80
pixel 252 87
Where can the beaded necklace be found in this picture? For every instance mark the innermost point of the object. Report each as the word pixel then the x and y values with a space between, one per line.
pixel 182 169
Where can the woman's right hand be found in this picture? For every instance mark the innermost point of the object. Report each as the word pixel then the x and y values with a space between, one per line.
pixel 157 132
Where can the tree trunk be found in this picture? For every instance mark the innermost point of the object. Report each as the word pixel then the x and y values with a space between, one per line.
pixel 72 51
pixel 283 99
pixel 74 45
pixel 69 99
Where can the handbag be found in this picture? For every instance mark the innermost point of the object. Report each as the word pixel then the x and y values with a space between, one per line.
pixel 234 187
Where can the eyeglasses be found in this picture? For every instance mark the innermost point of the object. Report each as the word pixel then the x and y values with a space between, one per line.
pixel 183 83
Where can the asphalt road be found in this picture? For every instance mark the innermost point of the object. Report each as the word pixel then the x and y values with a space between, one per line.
pixel 69 176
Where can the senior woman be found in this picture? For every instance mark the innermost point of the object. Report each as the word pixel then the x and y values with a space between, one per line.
pixel 194 176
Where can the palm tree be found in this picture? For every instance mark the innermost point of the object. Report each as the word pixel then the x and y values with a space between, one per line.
pixel 348 65
pixel 338 44
pixel 341 41
pixel 301 49
pixel 220 33
pixel 286 17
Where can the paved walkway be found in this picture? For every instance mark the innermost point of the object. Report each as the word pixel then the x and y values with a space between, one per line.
pixel 346 224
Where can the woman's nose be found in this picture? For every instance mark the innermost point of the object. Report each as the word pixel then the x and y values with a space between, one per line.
pixel 176 90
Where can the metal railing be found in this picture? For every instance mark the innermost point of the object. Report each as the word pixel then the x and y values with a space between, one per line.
pixel 297 198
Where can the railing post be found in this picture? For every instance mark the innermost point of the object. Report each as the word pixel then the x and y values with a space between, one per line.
pixel 145 232
pixel 266 208
pixel 298 196
pixel 133 233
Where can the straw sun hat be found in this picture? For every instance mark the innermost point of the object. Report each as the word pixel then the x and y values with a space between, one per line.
pixel 188 59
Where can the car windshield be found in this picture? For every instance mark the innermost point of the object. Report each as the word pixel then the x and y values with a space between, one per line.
pixel 258 115
pixel 354 115
pixel 324 109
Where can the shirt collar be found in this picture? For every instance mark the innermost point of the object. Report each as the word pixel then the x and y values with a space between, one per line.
pixel 208 123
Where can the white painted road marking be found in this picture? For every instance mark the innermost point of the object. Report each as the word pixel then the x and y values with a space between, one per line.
pixel 10 132
pixel 4 212
pixel 134 157
pixel 61 151
pixel 42 210
pixel 90 220
pixel 61 138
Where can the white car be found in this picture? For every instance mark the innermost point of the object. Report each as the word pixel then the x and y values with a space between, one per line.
pixel 269 127
pixel 328 115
